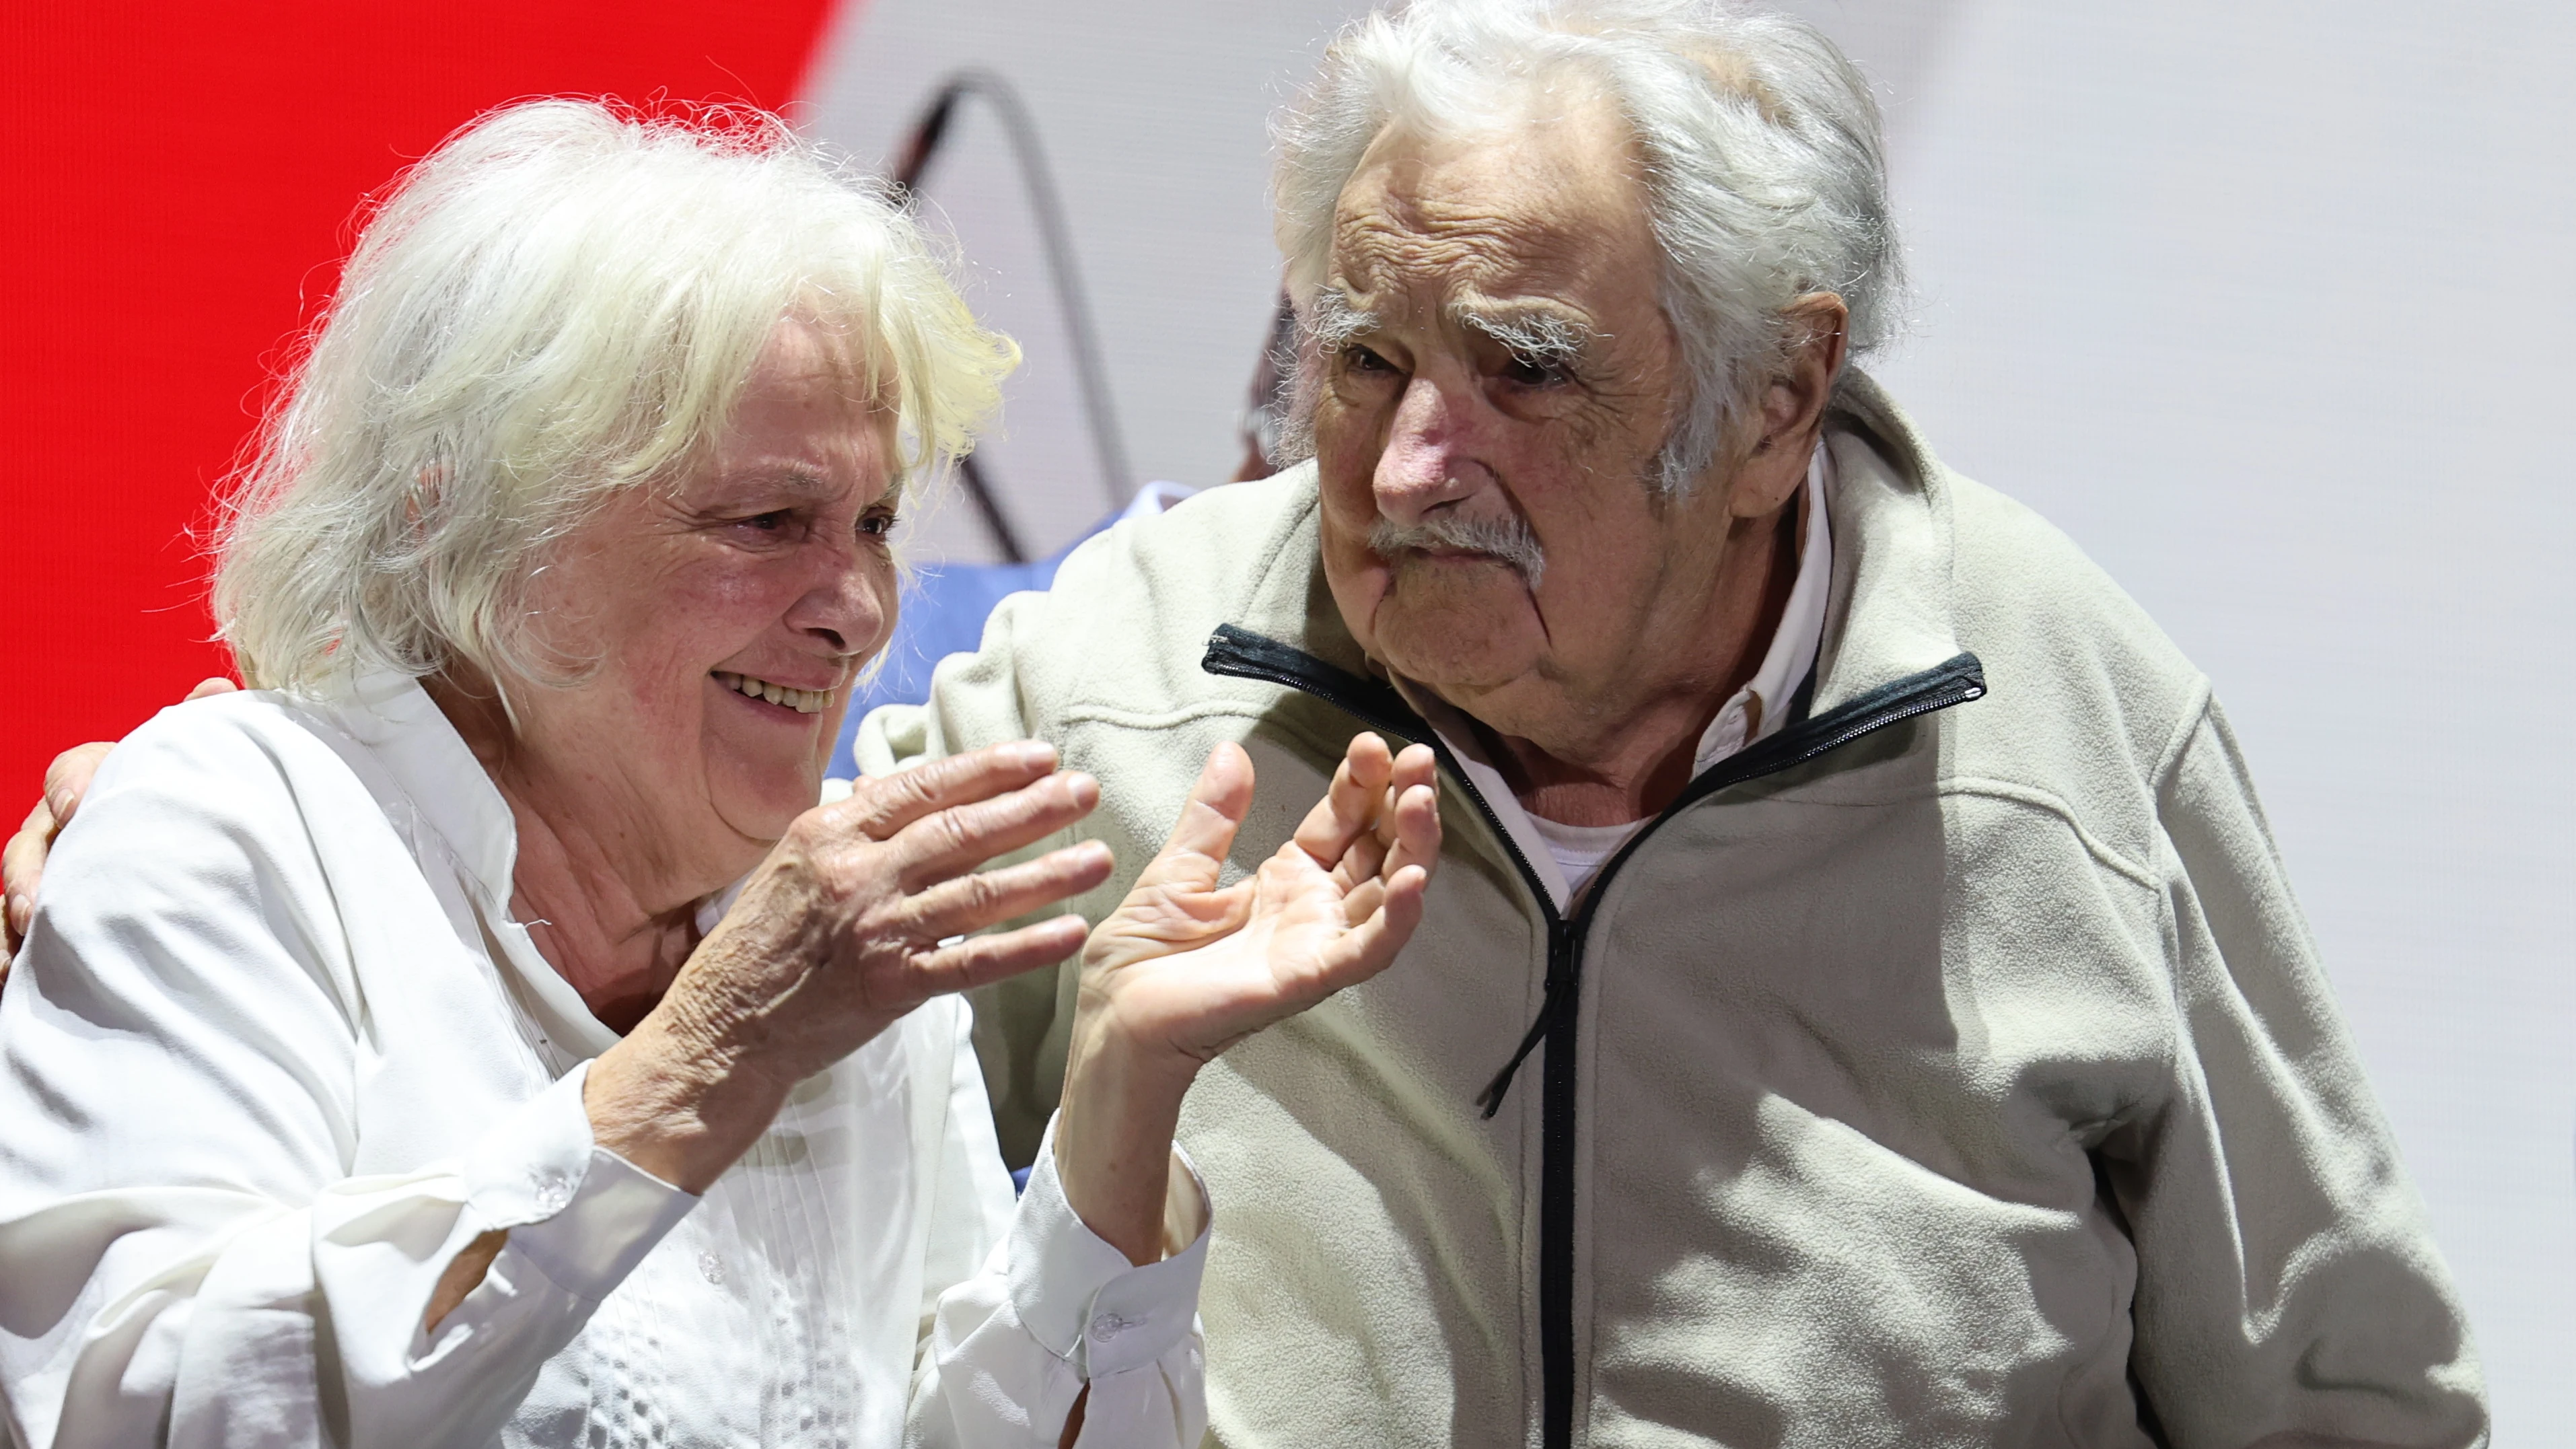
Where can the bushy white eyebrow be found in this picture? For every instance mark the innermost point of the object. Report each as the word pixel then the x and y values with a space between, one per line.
pixel 1533 335
pixel 1338 320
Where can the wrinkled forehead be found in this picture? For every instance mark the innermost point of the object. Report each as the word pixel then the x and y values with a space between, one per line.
pixel 1545 205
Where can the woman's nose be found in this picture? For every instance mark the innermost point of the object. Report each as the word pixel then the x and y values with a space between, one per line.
pixel 851 608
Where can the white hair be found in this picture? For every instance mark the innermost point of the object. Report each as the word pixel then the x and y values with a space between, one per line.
pixel 563 301
pixel 1763 165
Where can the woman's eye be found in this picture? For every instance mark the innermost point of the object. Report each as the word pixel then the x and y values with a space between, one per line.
pixel 773 522
pixel 878 525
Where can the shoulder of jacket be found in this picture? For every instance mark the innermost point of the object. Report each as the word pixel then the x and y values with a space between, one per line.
pixel 1214 544
pixel 1131 611
pixel 2088 699
pixel 2019 582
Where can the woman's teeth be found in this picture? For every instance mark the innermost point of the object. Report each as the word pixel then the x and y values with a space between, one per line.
pixel 803 701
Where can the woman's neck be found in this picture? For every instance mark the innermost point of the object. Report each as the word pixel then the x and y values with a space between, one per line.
pixel 603 906
pixel 619 952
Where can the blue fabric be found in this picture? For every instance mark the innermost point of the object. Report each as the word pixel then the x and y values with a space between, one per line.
pixel 942 612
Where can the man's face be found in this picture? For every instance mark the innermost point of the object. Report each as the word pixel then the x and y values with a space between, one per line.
pixel 1498 379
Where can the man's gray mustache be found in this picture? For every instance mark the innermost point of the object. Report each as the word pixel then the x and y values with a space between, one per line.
pixel 1507 539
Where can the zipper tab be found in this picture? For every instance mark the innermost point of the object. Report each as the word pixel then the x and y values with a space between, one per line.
pixel 1563 939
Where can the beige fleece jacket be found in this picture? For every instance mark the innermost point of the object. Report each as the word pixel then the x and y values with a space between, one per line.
pixel 1953 1068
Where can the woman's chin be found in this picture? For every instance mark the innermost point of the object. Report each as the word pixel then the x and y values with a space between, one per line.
pixel 759 803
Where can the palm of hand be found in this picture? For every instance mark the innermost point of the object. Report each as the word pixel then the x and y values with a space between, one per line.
pixel 1190 966
pixel 1199 968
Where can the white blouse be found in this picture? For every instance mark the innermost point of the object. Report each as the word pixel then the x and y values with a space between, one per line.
pixel 275 1052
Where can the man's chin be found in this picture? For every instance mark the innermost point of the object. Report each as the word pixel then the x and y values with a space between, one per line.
pixel 1460 647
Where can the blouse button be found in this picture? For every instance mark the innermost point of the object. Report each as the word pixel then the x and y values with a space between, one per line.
pixel 554 1190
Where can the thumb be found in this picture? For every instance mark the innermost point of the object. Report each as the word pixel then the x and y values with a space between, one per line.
pixel 1205 832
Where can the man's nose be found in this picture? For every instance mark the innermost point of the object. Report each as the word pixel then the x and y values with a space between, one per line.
pixel 1428 458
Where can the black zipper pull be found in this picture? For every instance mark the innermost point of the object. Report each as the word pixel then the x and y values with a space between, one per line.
pixel 1561 940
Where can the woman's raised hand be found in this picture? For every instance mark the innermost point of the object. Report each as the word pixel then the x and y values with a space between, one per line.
pixel 1187 967
pixel 838 935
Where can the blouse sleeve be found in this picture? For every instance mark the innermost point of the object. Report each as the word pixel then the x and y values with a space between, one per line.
pixel 185 1254
pixel 1024 1321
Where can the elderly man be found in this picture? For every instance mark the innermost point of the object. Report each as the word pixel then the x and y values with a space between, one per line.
pixel 1862 1005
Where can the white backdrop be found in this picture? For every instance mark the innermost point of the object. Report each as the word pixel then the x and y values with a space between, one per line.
pixel 2264 305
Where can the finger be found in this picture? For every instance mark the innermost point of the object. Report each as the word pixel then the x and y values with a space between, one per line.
pixel 980 898
pixel 1416 826
pixel 1416 766
pixel 211 686
pixel 980 960
pixel 1350 803
pixel 67 779
pixel 1363 901
pixel 882 805
pixel 962 837
pixel 1193 856
pixel 1362 863
pixel 1371 946
pixel 21 864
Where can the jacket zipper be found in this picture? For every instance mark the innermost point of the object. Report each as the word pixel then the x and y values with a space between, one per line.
pixel 1242 654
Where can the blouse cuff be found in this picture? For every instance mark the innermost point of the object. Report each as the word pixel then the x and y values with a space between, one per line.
pixel 581 1214
pixel 1080 1298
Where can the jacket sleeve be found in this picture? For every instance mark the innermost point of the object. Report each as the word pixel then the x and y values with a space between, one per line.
pixel 1029 1307
pixel 2289 1290
pixel 186 1256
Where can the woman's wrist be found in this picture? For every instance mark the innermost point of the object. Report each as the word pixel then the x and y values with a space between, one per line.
pixel 678 1112
pixel 1113 1136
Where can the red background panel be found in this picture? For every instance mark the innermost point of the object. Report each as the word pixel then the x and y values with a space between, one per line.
pixel 180 190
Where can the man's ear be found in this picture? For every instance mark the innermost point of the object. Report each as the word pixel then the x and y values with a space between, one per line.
pixel 1793 403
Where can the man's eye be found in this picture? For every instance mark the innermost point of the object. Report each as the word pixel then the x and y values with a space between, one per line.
pixel 1360 359
pixel 1535 371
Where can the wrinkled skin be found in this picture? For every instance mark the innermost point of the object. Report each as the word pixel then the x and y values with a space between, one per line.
pixel 650 783
pixel 1651 610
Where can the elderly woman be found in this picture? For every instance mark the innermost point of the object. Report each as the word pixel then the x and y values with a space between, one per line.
pixel 475 1034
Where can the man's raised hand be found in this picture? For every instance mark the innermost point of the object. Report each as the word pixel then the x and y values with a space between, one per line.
pixel 1186 967
pixel 1188 964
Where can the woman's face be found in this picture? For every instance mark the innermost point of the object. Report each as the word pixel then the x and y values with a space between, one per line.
pixel 728 612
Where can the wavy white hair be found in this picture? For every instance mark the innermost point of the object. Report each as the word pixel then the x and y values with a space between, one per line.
pixel 1764 168
pixel 562 301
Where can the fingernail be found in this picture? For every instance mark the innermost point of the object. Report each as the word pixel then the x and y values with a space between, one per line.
pixel 1033 754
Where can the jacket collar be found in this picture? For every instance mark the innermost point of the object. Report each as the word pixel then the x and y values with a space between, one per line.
pixel 1890 617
